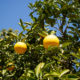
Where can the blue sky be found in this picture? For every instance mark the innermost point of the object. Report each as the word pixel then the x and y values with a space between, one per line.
pixel 11 11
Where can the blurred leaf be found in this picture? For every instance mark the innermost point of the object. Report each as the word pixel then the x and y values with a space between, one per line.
pixel 43 34
pixel 13 34
pixel 39 68
pixel 21 24
pixel 3 72
pixel 28 23
pixel 48 64
pixel 53 74
pixel 72 77
pixel 65 44
pixel 64 72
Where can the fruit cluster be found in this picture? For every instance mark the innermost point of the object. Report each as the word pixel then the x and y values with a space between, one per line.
pixel 49 40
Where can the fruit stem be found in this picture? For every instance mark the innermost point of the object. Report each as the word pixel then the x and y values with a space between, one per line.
pixel 52 32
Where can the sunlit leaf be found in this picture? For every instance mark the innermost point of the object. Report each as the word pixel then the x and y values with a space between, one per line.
pixel 64 72
pixel 39 68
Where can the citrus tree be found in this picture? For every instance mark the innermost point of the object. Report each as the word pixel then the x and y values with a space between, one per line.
pixel 47 48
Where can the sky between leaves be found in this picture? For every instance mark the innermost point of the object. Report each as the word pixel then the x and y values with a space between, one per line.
pixel 11 11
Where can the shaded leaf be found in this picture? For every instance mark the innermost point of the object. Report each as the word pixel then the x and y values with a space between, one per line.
pixel 65 44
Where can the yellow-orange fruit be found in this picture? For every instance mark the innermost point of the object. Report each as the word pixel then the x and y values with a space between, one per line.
pixel 20 47
pixel 0 67
pixel 10 66
pixel 50 40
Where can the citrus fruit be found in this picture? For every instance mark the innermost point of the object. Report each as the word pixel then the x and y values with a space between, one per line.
pixel 0 67
pixel 50 40
pixel 10 66
pixel 20 47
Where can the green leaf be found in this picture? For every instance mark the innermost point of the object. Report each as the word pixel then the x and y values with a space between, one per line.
pixel 21 34
pixel 13 34
pixel 64 72
pixel 39 68
pixel 21 24
pixel 53 74
pixel 3 72
pixel 71 28
pixel 48 64
pixel 43 34
pixel 72 77
pixel 65 44
pixel 28 23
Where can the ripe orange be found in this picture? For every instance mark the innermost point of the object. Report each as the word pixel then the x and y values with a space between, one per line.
pixel 20 47
pixel 10 66
pixel 50 40
pixel 0 67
